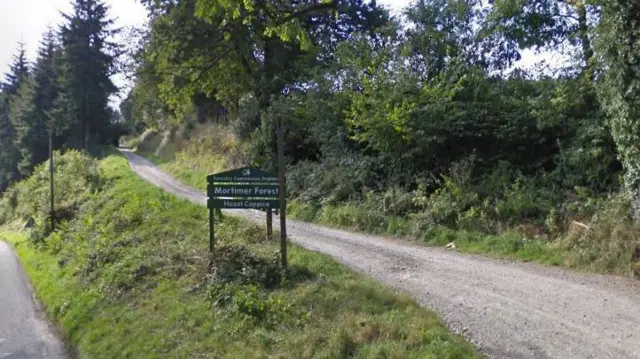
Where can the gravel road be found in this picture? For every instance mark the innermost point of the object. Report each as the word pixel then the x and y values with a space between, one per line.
pixel 508 310
pixel 24 333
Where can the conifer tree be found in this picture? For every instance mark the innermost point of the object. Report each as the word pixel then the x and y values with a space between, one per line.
pixel 14 79
pixel 34 100
pixel 89 60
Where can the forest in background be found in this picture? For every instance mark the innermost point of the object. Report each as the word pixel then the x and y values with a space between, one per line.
pixel 415 116
pixel 63 94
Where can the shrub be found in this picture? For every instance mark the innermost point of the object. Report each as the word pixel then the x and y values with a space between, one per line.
pixel 235 263
pixel 523 200
pixel 77 178
pixel 611 240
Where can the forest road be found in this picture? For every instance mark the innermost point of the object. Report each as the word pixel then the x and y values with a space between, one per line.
pixel 508 310
pixel 24 332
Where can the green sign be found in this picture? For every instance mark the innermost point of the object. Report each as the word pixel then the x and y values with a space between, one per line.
pixel 238 203
pixel 243 190
pixel 243 175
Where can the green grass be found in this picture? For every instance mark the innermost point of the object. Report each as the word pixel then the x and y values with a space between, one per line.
pixel 353 217
pixel 127 277
pixel 605 249
pixel 193 153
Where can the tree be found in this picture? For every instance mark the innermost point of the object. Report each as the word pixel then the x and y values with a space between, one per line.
pixel 515 25
pixel 89 60
pixel 18 71
pixel 34 100
pixel 619 44
pixel 14 80
pixel 226 50
pixel 441 31
pixel 6 143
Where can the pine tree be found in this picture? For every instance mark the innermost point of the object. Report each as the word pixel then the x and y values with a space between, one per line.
pixel 9 156
pixel 6 141
pixel 89 61
pixel 18 71
pixel 34 100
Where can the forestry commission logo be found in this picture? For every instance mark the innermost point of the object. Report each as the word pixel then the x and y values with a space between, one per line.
pixel 246 172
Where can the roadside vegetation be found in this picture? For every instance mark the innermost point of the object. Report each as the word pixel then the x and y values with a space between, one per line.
pixel 602 241
pixel 125 274
pixel 422 126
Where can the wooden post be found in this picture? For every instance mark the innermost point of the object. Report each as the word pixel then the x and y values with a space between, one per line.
pixel 211 231
pixel 282 190
pixel 52 213
pixel 269 224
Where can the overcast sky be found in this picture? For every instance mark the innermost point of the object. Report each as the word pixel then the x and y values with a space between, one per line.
pixel 26 21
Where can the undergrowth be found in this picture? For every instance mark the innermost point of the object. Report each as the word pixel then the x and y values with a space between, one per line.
pixel 201 149
pixel 503 213
pixel 126 275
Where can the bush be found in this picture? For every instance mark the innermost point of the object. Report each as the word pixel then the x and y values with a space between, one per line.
pixel 317 183
pixel 77 178
pixel 235 263
pixel 523 200
pixel 611 240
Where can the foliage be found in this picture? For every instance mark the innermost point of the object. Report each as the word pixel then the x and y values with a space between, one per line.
pixel 77 177
pixel 399 126
pixel 514 26
pixel 62 97
pixel 503 213
pixel 88 61
pixel 618 42
pixel 9 156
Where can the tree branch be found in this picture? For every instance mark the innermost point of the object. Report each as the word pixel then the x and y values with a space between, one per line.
pixel 307 11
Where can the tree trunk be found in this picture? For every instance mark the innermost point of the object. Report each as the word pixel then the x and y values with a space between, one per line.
pixel 583 33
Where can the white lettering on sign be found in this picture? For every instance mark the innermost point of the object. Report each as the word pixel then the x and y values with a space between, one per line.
pixel 244 191
pixel 266 179
pixel 231 191
pixel 266 191
pixel 247 204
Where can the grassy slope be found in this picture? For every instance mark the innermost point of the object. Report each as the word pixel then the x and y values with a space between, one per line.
pixel 127 279
pixel 193 160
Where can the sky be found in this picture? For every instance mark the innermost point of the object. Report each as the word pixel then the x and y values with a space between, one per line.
pixel 26 20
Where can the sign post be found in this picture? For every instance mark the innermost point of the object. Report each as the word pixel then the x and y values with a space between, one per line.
pixel 269 224
pixel 242 188
pixel 283 204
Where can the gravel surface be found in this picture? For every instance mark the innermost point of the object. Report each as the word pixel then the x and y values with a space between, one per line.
pixel 508 310
pixel 24 332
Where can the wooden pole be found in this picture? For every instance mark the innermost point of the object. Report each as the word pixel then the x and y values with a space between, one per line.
pixel 282 190
pixel 269 224
pixel 211 231
pixel 52 213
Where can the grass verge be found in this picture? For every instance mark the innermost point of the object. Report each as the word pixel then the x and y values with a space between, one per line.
pixel 510 245
pixel 125 275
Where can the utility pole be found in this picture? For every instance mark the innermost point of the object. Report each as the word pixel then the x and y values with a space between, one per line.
pixel 52 214
pixel 282 197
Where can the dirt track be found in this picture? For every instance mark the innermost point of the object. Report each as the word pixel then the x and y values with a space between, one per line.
pixel 508 310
